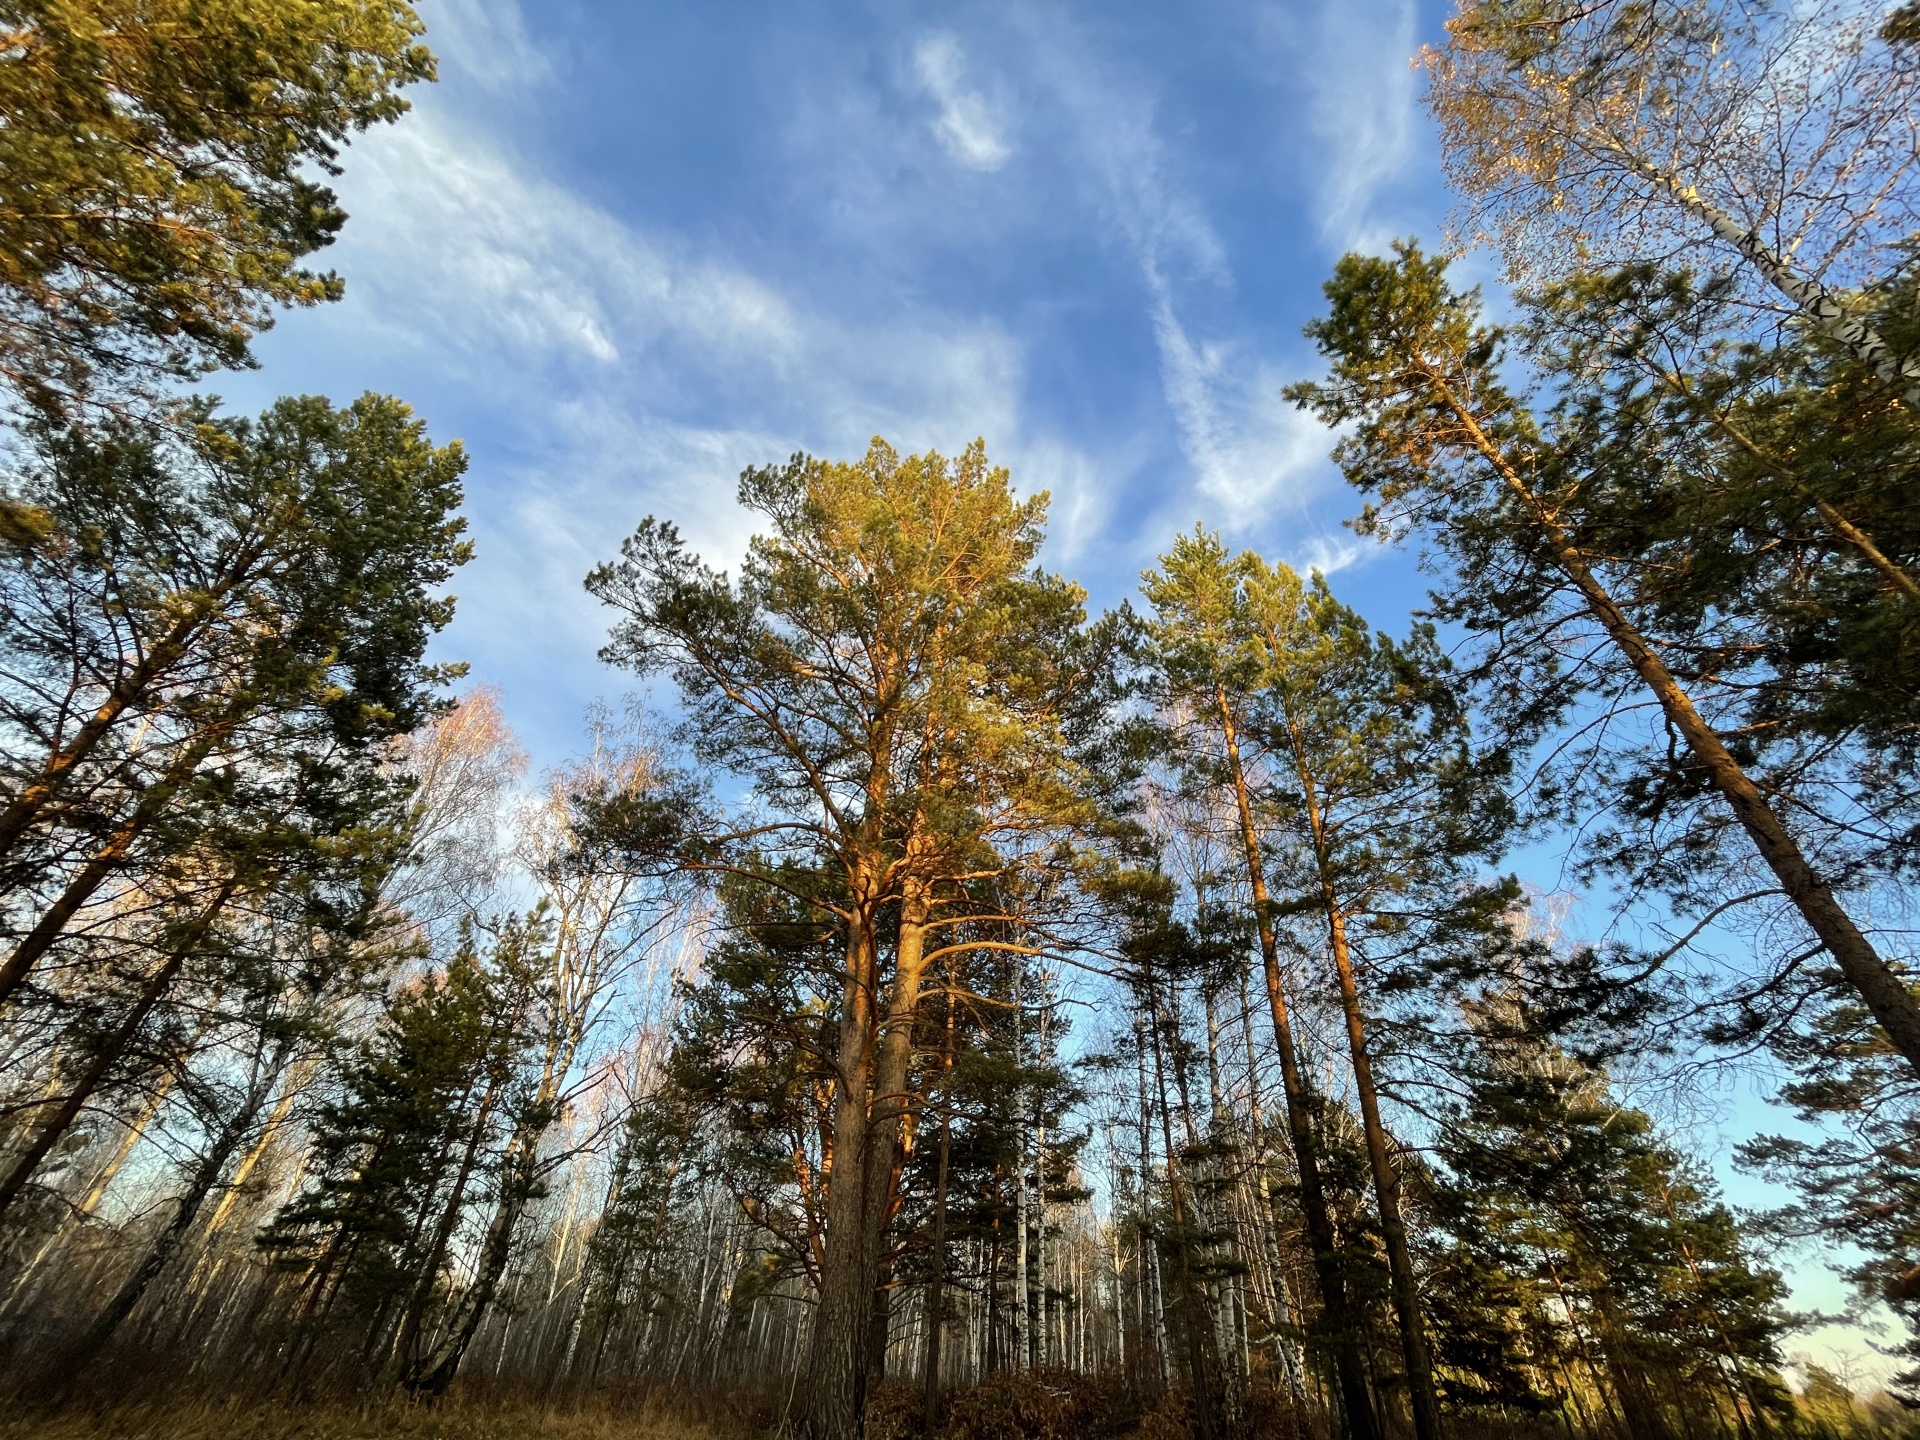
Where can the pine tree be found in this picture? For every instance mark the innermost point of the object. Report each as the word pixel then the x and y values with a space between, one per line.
pixel 1206 662
pixel 1506 498
pixel 886 674
pixel 183 604
pixel 1769 485
pixel 1555 1185
pixel 399 1158
pixel 1393 807
pixel 157 189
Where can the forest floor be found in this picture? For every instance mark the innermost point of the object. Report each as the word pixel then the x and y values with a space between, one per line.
pixel 211 1421
pixel 1054 1406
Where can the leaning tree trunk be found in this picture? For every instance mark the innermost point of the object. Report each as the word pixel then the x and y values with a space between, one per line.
pixel 21 1293
pixel 110 1050
pixel 1886 995
pixel 74 1357
pixel 1829 313
pixel 106 861
pixel 134 688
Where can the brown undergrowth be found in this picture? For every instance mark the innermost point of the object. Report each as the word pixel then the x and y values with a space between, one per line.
pixel 1026 1407
pixel 1058 1406
pixel 454 1419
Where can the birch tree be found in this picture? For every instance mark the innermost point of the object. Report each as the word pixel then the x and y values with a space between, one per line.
pixel 1782 139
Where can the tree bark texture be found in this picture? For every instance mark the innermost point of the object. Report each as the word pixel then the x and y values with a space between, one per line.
pixel 836 1394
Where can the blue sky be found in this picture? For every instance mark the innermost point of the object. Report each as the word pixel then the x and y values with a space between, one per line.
pixel 623 251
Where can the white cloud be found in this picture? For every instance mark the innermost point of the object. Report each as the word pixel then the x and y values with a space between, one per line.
pixel 487 41
pixel 1113 116
pixel 556 519
pixel 1081 489
pixel 1351 58
pixel 616 371
pixel 1248 448
pixel 1330 553
pixel 460 250
pixel 966 127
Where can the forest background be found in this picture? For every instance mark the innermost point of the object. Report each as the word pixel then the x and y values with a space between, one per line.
pixel 1043 228
pixel 625 255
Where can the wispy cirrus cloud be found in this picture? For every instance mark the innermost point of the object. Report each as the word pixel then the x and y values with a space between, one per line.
pixel 1351 60
pixel 1247 448
pixel 1330 552
pixel 628 349
pixel 487 42
pixel 966 125
pixel 612 370
pixel 471 254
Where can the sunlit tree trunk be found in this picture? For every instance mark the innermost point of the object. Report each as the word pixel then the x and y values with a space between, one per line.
pixel 77 1355
pixel 1349 1368
pixel 108 1052
pixel 108 860
pixel 892 1101
pixel 134 688
pixel 937 1276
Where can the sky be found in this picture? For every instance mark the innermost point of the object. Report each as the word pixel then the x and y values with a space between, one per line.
pixel 623 251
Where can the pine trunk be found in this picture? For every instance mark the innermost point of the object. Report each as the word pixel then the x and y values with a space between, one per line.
pixel 105 862
pixel 1886 995
pixel 109 1052
pixel 937 1280
pixel 76 1356
pixel 836 1394
pixel 1350 1371
pixel 1386 1189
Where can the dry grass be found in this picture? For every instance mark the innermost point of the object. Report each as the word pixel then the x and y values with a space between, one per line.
pixel 1046 1407
pixel 451 1421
